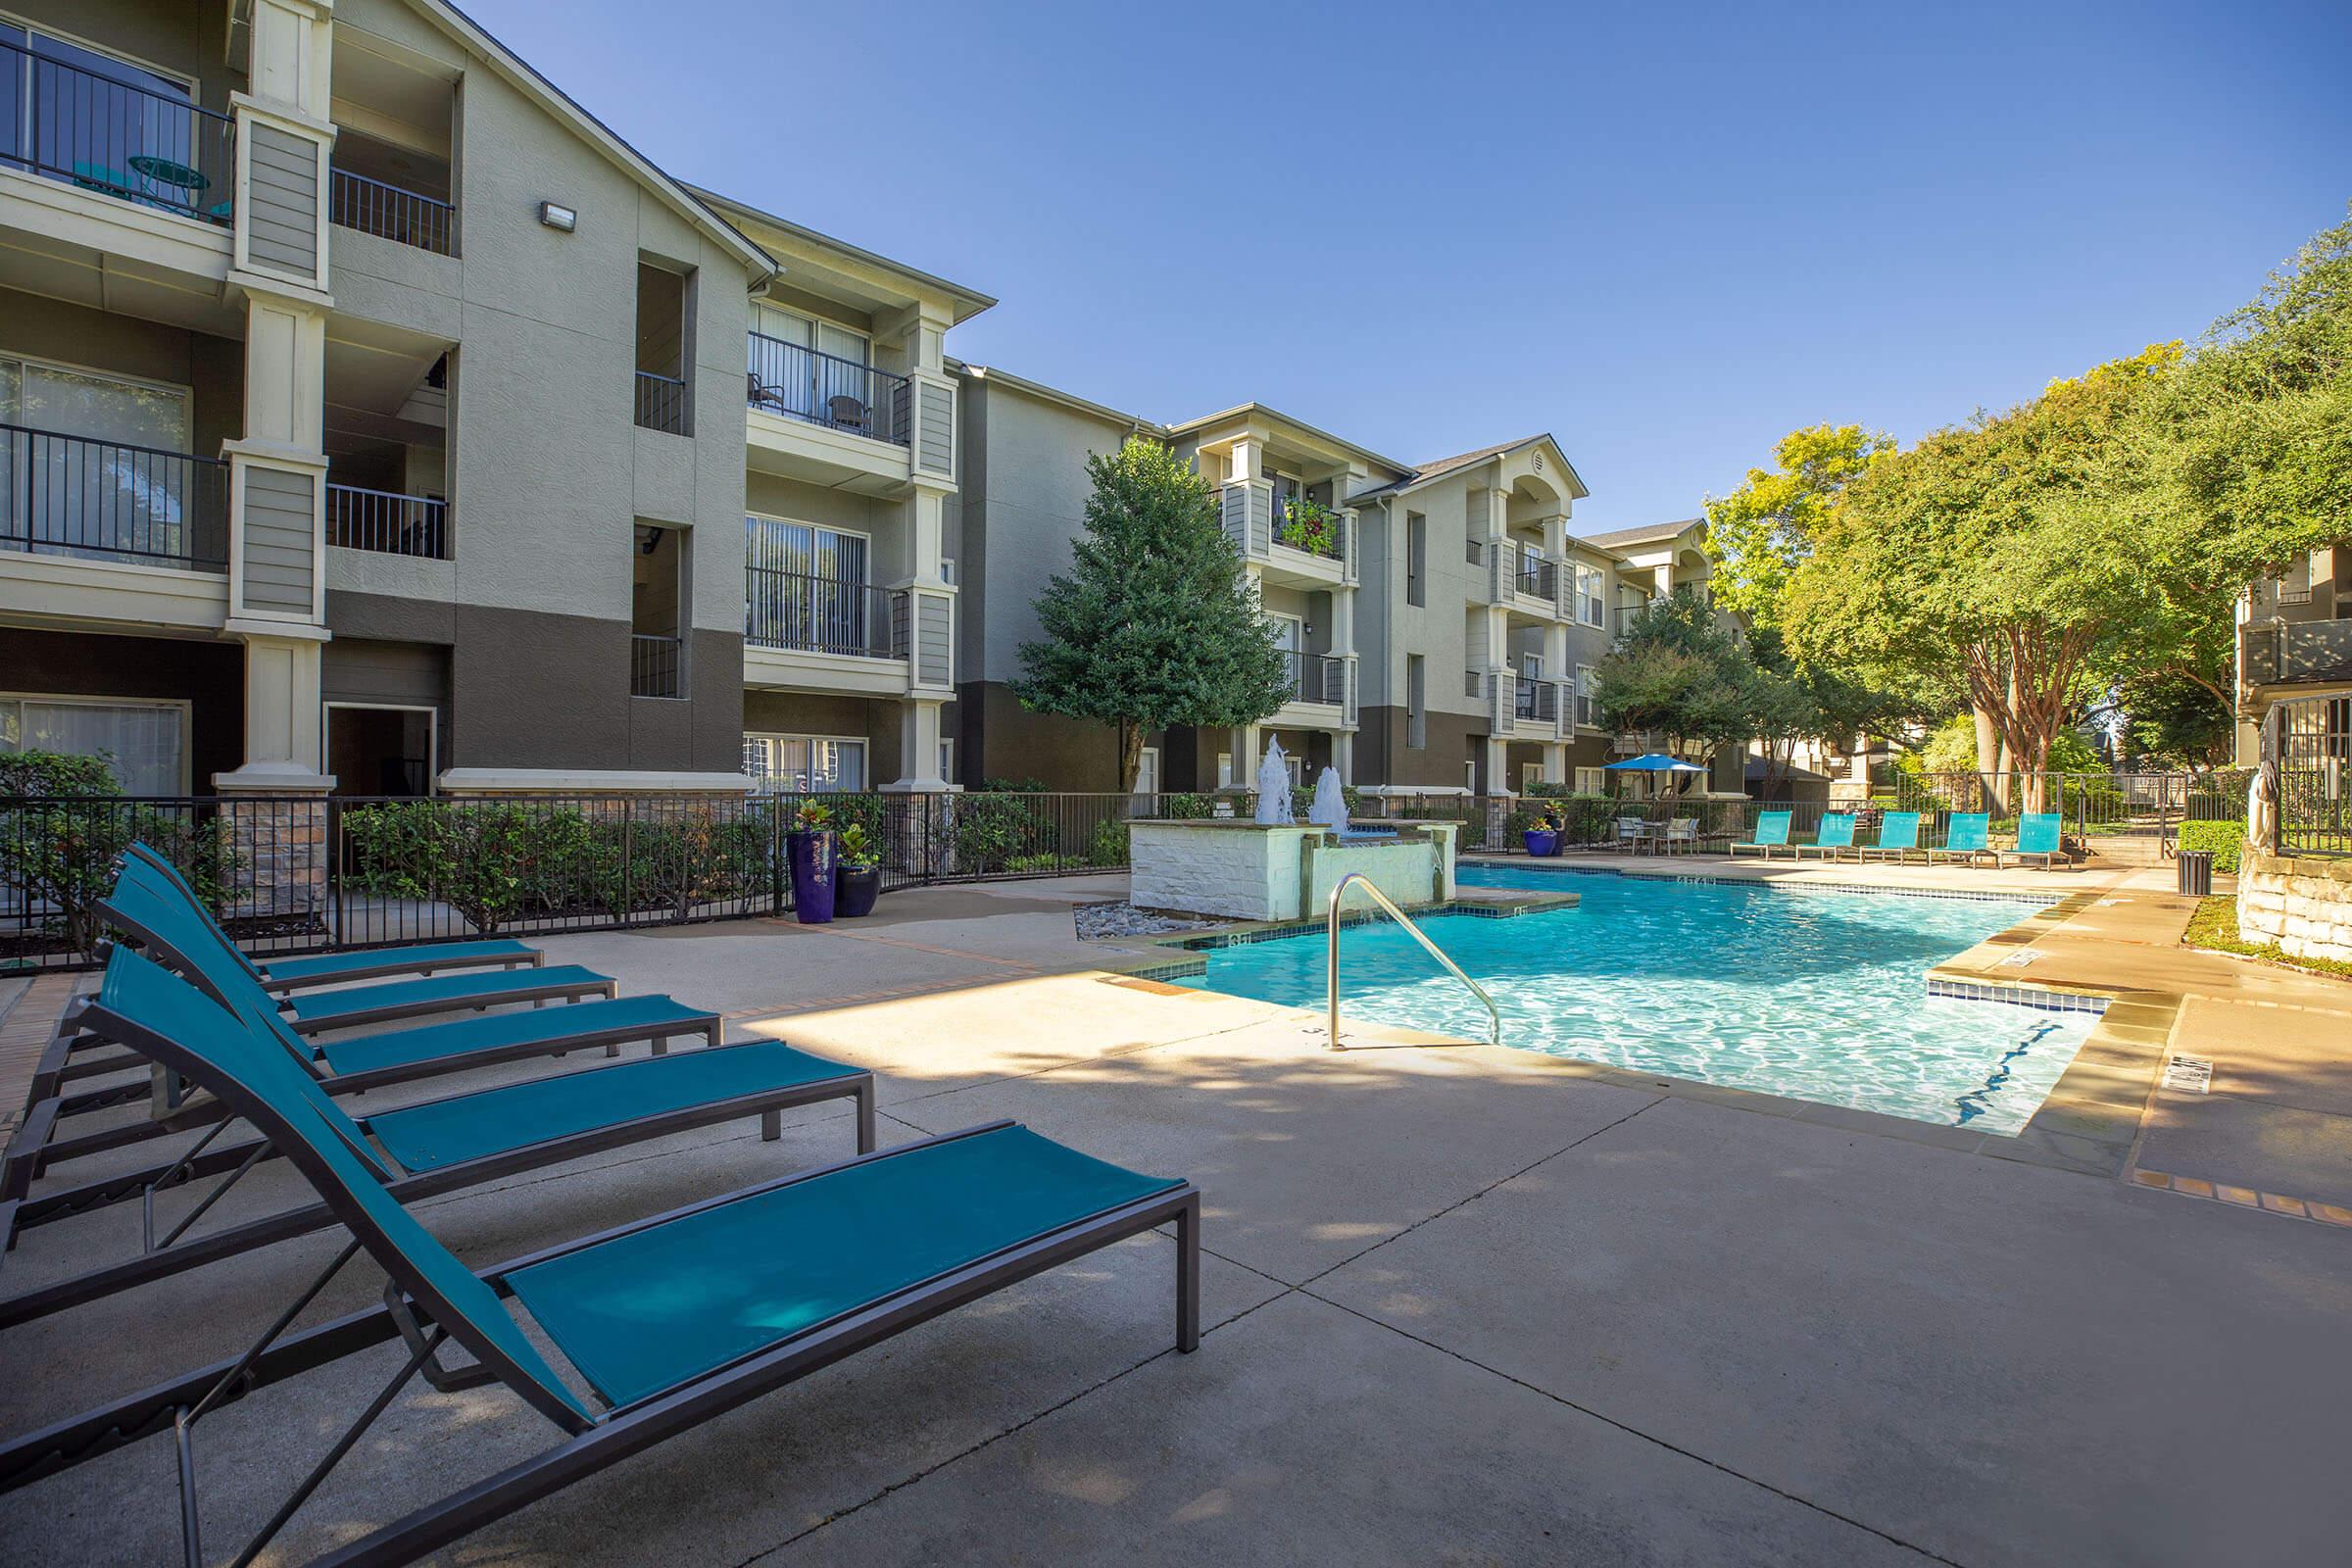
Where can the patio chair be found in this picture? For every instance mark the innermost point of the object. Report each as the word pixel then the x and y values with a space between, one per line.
pixel 1681 831
pixel 2040 837
pixel 1964 839
pixel 1898 838
pixel 788 1276
pixel 1631 831
pixel 382 1000
pixel 440 1146
pixel 1833 838
pixel 1772 833
pixel 371 963
pixel 180 935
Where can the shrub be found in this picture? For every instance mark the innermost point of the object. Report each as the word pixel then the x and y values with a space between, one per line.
pixel 993 831
pixel 62 853
pixel 488 861
pixel 2223 838
pixel 1109 846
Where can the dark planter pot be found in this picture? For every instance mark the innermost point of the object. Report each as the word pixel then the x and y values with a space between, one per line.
pixel 855 890
pixel 812 858
pixel 1539 842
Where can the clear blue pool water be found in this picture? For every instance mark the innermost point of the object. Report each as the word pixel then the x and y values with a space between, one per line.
pixel 1818 996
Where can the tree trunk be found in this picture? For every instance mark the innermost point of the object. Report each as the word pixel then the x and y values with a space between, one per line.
pixel 1988 757
pixel 1131 753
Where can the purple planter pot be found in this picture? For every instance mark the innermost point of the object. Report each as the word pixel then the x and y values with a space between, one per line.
pixel 1538 842
pixel 812 858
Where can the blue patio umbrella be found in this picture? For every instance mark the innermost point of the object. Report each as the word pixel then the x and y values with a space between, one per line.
pixel 1654 762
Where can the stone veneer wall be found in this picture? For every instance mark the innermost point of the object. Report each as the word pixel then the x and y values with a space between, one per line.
pixel 2303 904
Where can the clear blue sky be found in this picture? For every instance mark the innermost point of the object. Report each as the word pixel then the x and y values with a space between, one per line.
pixel 1666 234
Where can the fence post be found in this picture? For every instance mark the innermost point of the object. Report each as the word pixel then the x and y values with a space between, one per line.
pixel 628 858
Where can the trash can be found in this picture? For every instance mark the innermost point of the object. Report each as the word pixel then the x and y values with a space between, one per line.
pixel 2196 873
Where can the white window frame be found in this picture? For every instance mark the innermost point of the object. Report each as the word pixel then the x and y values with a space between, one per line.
pixel 1591 606
pixel 181 706
pixel 1146 761
pixel 432 732
pixel 194 84
pixel 186 390
pixel 947 759
pixel 1584 681
pixel 815 320
pixel 1592 781
pixel 752 516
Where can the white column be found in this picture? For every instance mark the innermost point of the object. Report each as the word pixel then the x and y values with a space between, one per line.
pixel 1555 764
pixel 919 751
pixel 1498 781
pixel 284 722
pixel 1246 459
pixel 1342 755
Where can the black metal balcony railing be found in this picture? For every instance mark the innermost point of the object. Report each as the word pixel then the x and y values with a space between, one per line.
pixel 662 402
pixel 69 494
pixel 1317 678
pixel 818 615
pixel 100 133
pixel 653 664
pixel 1537 700
pixel 2287 652
pixel 804 384
pixel 386 211
pixel 1539 578
pixel 386 522
pixel 2310 738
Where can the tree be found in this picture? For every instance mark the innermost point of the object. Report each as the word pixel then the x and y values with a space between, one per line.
pixel 1790 701
pixel 1762 531
pixel 2175 722
pixel 2005 553
pixel 1154 624
pixel 1676 670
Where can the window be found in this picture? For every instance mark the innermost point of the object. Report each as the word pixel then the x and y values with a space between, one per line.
pixel 664 349
pixel 1224 770
pixel 947 760
pixel 1416 716
pixel 1531 666
pixel 1146 771
pixel 70 113
pixel 145 743
pixel 815 371
pixel 1589 595
pixel 1586 706
pixel 1416 559
pixel 805 764
pixel 1530 774
pixel 69 482
pixel 1592 781
pixel 805 587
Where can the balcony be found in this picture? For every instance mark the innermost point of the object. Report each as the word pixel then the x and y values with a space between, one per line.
pixel 802 383
pixel 2293 653
pixel 1538 578
pixel 654 665
pixel 107 127
pixel 804 614
pixel 388 212
pixel 385 522
pixel 1309 528
pixel 91 499
pixel 662 402
pixel 1317 678
pixel 1537 702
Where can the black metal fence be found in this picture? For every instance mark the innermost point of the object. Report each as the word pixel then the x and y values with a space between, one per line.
pixel 388 523
pixel 389 212
pixel 69 494
pixel 112 134
pixel 295 873
pixel 662 402
pixel 2310 739
pixel 806 383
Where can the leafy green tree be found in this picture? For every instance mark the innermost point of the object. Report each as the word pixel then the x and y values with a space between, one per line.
pixel 1154 624
pixel 1762 531
pixel 2175 722
pixel 1676 670
pixel 2002 554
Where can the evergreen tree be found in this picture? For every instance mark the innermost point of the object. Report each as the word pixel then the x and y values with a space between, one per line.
pixel 1154 624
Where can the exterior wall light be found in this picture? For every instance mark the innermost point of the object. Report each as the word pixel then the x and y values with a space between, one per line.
pixel 559 218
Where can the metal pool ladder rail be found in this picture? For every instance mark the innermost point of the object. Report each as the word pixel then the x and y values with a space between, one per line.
pixel 1331 970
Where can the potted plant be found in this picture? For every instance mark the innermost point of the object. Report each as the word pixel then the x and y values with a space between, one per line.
pixel 1543 837
pixel 810 850
pixel 859 880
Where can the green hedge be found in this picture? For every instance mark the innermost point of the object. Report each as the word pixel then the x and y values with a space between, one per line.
pixel 2222 836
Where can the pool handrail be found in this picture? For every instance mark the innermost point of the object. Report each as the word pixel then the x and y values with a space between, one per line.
pixel 1331 973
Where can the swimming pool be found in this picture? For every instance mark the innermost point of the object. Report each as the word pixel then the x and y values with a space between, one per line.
pixel 1819 995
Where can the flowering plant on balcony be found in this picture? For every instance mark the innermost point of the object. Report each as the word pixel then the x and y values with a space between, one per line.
pixel 1311 526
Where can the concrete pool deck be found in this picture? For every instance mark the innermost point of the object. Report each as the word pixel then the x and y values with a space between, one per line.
pixel 1465 1304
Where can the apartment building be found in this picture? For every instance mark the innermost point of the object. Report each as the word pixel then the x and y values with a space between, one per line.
pixel 376 420
pixel 1441 621
pixel 2294 639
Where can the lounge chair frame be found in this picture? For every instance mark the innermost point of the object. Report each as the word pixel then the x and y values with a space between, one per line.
pixel 1964 857
pixel 371 964
pixel 171 1256
pixel 1832 851
pixel 1789 825
pixel 416 1311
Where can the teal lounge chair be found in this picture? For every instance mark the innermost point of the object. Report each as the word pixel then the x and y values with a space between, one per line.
pixel 1772 833
pixel 1835 838
pixel 1898 838
pixel 664 1324
pixel 154 914
pixel 440 1145
pixel 367 964
pixel 2039 838
pixel 1964 839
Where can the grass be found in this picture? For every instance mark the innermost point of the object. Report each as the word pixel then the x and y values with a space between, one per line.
pixel 2215 927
